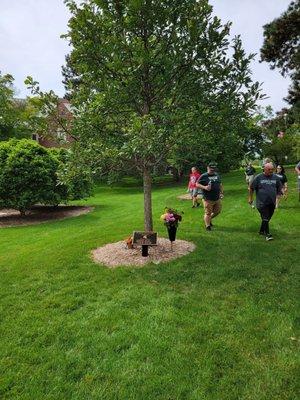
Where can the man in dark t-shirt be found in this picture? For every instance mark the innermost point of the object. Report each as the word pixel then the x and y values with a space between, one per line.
pixel 267 187
pixel 212 187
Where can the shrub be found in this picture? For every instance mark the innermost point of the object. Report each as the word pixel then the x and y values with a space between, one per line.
pixel 31 174
pixel 28 175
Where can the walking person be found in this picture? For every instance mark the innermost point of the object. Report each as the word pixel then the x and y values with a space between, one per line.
pixel 267 187
pixel 249 174
pixel 283 179
pixel 212 187
pixel 297 169
pixel 192 188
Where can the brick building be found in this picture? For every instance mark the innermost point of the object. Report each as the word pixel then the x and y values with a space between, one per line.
pixel 59 125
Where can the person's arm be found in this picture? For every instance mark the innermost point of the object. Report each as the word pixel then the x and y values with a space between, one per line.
pixel 204 187
pixel 279 187
pixel 285 185
pixel 251 189
pixel 250 197
pixel 221 190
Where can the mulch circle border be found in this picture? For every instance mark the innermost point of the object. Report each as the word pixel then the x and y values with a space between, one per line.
pixel 114 255
pixel 10 218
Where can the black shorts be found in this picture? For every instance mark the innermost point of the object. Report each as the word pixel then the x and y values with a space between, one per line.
pixel 266 211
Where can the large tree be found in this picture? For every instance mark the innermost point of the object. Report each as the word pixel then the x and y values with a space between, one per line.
pixel 153 79
pixel 281 47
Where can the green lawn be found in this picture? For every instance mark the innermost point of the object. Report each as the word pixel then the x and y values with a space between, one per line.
pixel 220 323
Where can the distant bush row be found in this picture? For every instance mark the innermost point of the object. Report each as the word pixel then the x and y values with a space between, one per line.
pixel 31 174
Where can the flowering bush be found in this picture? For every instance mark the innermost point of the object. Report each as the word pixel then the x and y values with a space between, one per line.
pixel 171 217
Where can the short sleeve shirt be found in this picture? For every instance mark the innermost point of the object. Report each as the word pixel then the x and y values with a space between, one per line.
pixel 250 171
pixel 193 180
pixel 215 181
pixel 282 177
pixel 266 188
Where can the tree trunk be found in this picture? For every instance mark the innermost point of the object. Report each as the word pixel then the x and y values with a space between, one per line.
pixel 147 181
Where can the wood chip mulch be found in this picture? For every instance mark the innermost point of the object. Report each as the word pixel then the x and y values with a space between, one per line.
pixel 114 255
pixel 40 214
pixel 186 196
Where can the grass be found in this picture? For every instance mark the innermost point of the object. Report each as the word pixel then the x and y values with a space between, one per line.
pixel 221 323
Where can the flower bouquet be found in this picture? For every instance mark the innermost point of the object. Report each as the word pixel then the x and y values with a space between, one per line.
pixel 171 218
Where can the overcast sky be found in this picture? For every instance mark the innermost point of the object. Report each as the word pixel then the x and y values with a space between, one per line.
pixel 30 41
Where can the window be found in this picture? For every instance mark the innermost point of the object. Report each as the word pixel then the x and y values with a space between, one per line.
pixel 61 135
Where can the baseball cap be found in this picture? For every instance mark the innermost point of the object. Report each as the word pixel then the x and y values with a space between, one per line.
pixel 212 165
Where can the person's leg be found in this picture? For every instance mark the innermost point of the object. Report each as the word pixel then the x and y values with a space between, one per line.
pixel 207 212
pixel 197 204
pixel 195 201
pixel 217 207
pixel 264 220
pixel 271 209
pixel 266 214
pixel 192 197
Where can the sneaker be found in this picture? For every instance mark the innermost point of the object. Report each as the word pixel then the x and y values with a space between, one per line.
pixel 269 237
pixel 193 206
pixel 208 228
pixel 198 205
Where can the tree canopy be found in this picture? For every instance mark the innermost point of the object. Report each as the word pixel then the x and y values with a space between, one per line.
pixel 14 113
pixel 281 47
pixel 152 80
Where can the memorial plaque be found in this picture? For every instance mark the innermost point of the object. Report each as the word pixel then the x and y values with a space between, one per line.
pixel 145 238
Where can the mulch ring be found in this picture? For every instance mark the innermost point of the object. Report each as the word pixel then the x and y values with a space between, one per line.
pixel 40 214
pixel 187 196
pixel 114 255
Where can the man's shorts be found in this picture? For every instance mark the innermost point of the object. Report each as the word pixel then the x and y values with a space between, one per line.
pixel 194 192
pixel 249 179
pixel 211 206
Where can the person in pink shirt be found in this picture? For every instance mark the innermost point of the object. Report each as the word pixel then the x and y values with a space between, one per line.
pixel 192 188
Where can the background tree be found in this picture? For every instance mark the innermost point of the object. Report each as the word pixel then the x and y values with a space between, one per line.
pixel 155 75
pixel 281 136
pixel 71 80
pixel 15 114
pixel 281 47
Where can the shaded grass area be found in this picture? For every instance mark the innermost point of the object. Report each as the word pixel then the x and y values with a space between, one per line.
pixel 220 323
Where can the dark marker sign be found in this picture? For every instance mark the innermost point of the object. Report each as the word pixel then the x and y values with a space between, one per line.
pixel 145 238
